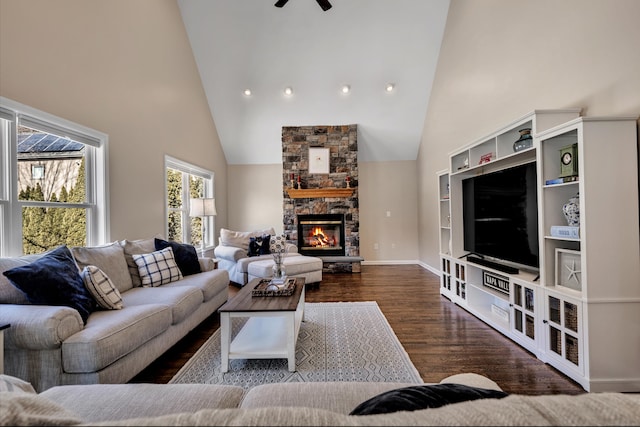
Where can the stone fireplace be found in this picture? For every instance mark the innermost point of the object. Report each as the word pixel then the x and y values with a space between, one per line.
pixel 333 194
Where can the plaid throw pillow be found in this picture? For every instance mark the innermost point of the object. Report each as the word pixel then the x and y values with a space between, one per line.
pixel 157 268
pixel 101 288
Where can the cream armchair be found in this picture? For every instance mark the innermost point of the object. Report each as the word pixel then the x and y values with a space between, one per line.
pixel 232 252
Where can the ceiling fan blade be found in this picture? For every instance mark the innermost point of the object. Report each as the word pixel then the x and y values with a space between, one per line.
pixel 324 4
pixel 281 3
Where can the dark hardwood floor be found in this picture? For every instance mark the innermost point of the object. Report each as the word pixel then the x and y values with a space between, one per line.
pixel 441 338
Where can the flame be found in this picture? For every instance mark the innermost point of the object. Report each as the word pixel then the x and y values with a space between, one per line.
pixel 319 238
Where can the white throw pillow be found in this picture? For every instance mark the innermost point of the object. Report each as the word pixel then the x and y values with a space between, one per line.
pixel 101 288
pixel 157 268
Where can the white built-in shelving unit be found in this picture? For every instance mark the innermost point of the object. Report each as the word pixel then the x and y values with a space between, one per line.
pixel 589 330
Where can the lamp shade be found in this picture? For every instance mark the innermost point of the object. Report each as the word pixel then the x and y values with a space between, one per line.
pixel 202 207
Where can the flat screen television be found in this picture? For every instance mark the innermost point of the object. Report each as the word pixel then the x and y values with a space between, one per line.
pixel 500 216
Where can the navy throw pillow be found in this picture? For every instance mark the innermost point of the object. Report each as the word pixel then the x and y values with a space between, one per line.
pixel 259 245
pixel 422 397
pixel 185 254
pixel 53 279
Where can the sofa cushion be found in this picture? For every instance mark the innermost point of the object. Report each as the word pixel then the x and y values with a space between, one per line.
pixel 108 258
pixel 29 409
pixel 240 239
pixel 182 300
pixel 337 396
pixel 53 279
pixel 112 402
pixel 186 256
pixel 9 294
pixel 157 268
pixel 211 283
pixel 132 247
pixel 417 397
pixel 101 288
pixel 112 334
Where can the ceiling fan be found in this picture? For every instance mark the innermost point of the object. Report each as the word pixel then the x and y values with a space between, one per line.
pixel 324 4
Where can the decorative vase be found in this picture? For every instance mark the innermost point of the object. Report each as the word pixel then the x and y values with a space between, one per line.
pixel 571 211
pixel 279 274
pixel 525 141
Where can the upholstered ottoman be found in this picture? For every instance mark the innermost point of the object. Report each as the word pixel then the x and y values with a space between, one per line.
pixel 302 266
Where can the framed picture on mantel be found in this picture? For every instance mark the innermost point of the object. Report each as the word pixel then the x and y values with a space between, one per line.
pixel 318 160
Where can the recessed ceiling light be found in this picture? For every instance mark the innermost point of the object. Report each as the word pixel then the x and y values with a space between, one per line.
pixel 288 90
pixel 390 87
pixel 346 88
pixel 247 92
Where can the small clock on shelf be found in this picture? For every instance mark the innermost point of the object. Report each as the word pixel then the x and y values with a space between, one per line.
pixel 569 160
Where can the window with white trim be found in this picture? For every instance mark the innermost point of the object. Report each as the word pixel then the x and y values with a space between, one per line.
pixel 185 181
pixel 53 182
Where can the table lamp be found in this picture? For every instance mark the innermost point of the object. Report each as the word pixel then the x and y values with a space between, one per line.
pixel 202 207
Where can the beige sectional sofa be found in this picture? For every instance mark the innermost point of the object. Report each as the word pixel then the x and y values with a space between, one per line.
pixel 299 404
pixel 50 345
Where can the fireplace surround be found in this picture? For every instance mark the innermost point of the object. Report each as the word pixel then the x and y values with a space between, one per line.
pixel 333 193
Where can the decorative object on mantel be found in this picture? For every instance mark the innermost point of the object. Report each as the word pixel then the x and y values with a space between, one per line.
pixel 278 248
pixel 525 141
pixel 312 193
pixel 299 181
pixel 348 179
pixel 571 211
pixel 292 176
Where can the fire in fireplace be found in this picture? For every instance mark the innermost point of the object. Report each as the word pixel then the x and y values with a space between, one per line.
pixel 321 234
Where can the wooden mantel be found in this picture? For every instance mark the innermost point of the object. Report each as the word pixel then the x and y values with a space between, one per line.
pixel 310 193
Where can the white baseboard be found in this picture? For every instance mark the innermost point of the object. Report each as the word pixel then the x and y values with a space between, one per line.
pixel 403 262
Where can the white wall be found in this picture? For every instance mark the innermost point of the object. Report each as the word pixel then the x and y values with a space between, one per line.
pixel 255 197
pixel 388 188
pixel 124 68
pixel 501 59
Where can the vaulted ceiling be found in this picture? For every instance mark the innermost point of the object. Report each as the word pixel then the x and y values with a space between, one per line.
pixel 365 44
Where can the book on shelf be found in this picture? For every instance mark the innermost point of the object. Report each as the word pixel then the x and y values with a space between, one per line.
pixel 561 180
pixel 565 231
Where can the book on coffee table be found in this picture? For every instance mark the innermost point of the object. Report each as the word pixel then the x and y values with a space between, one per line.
pixel 265 288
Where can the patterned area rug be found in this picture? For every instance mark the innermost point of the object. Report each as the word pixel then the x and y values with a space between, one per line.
pixel 343 341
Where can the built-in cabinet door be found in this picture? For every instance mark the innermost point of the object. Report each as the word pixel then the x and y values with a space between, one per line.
pixel 445 277
pixel 524 313
pixel 564 343
pixel 460 282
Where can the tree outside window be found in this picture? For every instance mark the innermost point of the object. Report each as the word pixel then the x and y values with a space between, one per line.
pixel 60 182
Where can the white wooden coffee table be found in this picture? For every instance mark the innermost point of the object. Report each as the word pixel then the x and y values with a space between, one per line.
pixel 271 330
